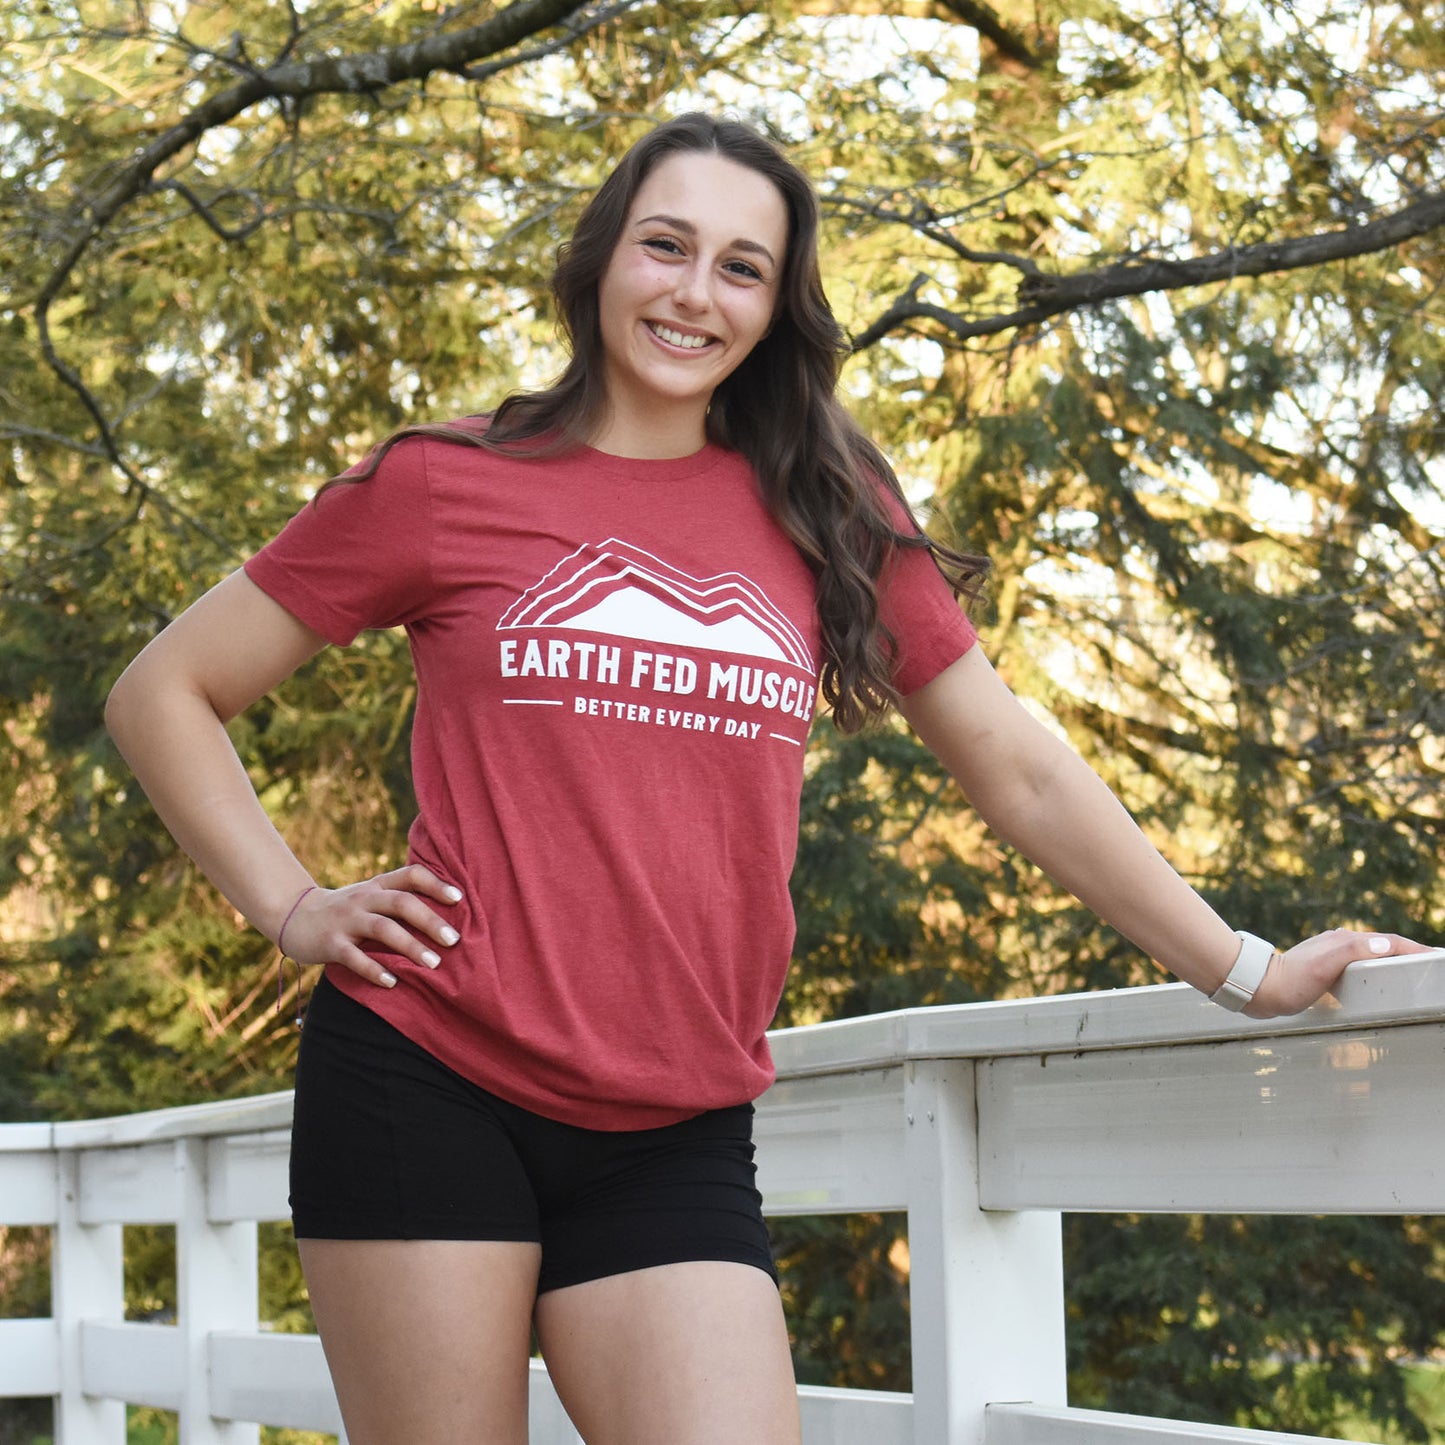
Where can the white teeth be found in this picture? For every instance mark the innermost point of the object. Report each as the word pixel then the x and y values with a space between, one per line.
pixel 677 338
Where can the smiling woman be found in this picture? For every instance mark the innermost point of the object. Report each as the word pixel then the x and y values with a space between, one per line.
pixel 690 290
pixel 524 1094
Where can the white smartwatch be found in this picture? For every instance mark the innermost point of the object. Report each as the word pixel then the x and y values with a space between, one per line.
pixel 1247 974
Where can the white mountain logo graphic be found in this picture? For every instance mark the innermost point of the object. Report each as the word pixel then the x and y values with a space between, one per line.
pixel 616 588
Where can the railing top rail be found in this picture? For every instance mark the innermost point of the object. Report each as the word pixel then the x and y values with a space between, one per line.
pixel 1378 994
pixel 226 1116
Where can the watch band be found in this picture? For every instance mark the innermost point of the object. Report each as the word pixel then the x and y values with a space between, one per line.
pixel 1247 974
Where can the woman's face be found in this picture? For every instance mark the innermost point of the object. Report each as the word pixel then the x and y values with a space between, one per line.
pixel 690 290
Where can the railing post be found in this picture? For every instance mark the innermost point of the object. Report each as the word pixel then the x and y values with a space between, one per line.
pixel 217 1288
pixel 986 1288
pixel 87 1281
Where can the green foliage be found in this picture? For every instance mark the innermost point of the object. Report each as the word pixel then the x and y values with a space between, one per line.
pixel 1244 1320
pixel 285 1305
pixel 845 1289
pixel 886 890
pixel 149 1255
pixel 1215 516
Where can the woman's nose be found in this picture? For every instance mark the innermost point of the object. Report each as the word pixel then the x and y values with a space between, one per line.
pixel 694 288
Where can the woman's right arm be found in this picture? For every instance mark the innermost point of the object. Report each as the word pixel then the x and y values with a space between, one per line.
pixel 167 714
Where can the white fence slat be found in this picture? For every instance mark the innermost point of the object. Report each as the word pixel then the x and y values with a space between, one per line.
pixel 986 1290
pixel 87 1282
pixel 832 1144
pixel 1376 993
pixel 547 1422
pixel 29 1187
pixel 137 1184
pixel 185 1121
pixel 248 1176
pixel 277 1378
pixel 217 1288
pixel 855 1417
pixel 143 1364
pixel 1308 1124
pixel 29 1358
pixel 26 1138
pixel 1027 1425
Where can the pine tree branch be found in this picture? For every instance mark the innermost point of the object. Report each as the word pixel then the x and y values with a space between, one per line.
pixel 1043 296
pixel 291 79
pixel 328 75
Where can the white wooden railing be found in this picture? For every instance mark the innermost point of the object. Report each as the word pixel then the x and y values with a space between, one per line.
pixel 983 1122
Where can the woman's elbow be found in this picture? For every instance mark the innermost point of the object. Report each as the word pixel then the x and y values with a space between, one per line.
pixel 123 703
pixel 142 696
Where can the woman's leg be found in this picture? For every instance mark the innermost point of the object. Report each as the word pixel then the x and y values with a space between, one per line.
pixel 679 1354
pixel 427 1340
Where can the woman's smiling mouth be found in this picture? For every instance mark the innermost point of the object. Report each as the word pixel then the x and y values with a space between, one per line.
pixel 686 340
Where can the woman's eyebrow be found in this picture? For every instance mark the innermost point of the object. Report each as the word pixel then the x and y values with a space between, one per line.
pixel 687 228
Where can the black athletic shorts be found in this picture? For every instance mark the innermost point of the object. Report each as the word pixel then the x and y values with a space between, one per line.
pixel 389 1143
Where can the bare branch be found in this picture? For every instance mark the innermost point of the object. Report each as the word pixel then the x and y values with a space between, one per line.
pixel 574 30
pixel 984 19
pixel 1044 295
pixel 18 431
pixel 329 75
pixel 1134 278
pixel 344 74
pixel 926 222
pixel 909 308
pixel 206 211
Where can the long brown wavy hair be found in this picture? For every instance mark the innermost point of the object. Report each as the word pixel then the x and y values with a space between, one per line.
pixel 820 475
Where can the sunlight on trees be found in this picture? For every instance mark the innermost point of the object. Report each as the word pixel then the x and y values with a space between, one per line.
pixel 1146 300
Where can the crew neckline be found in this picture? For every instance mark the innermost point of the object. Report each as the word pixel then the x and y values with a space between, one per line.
pixel 657 469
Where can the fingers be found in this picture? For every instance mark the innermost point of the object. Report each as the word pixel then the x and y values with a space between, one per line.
pixel 1301 976
pixel 401 895
pixel 350 956
pixel 418 878
pixel 1400 944
pixel 393 896
pixel 388 913
pixel 1349 945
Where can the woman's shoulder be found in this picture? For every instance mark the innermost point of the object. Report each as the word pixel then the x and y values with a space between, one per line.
pixel 417 448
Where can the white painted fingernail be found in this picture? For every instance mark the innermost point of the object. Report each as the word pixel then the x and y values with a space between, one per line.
pixel 388 980
pixel 450 935
pixel 453 895
pixel 431 959
pixel 1379 945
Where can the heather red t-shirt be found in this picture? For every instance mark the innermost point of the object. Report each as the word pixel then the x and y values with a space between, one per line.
pixel 616 667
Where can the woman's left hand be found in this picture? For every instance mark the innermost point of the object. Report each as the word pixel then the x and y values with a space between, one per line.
pixel 1302 975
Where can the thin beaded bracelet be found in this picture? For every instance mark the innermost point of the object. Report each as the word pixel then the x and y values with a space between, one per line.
pixel 290 913
pixel 281 966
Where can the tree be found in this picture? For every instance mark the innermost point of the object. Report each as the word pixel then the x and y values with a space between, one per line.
pixel 1145 296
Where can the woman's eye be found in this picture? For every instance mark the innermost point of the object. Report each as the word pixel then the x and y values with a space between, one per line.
pixel 665 244
pixel 742 268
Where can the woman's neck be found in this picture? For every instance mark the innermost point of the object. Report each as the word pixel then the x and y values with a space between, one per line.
pixel 655 436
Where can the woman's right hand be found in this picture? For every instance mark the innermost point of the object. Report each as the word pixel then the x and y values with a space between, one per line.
pixel 334 925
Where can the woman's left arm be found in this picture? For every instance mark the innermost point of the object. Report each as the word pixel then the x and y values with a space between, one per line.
pixel 1038 795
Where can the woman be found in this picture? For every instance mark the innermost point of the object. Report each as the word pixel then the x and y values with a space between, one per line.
pixel 524 1093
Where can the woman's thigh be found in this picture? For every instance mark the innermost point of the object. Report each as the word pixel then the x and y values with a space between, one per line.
pixel 680 1354
pixel 427 1340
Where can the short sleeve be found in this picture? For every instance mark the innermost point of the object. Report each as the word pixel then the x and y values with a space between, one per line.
pixel 359 555
pixel 930 629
